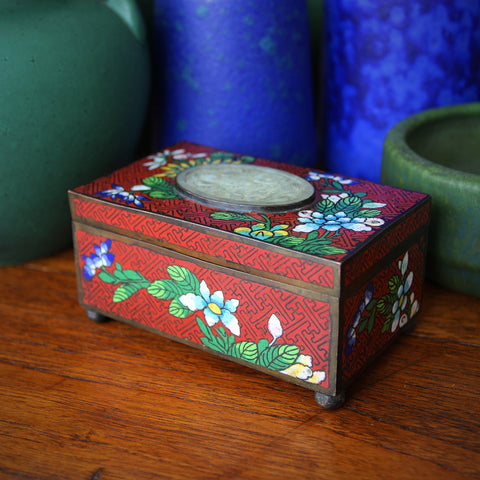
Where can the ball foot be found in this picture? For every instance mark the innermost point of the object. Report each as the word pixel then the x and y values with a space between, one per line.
pixel 330 402
pixel 96 317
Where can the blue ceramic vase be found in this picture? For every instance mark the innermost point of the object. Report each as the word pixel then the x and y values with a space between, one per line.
pixel 236 76
pixel 387 60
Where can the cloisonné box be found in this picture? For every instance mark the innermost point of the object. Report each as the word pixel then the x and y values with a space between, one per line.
pixel 303 275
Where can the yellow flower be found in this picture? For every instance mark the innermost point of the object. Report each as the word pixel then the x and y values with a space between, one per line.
pixel 302 370
pixel 260 231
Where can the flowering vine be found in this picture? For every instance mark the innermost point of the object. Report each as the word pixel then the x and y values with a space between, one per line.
pixel 220 326
pixel 394 308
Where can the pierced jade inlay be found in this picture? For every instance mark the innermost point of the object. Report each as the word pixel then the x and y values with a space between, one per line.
pixel 242 186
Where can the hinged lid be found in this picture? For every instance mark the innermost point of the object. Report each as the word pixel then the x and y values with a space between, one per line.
pixel 306 228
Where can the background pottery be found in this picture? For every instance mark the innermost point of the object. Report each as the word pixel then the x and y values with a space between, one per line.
pixel 438 152
pixel 236 75
pixel 74 89
pixel 388 60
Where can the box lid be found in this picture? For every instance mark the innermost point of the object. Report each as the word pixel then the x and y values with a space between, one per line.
pixel 318 243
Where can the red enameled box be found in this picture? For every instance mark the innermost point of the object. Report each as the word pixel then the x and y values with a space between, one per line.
pixel 306 277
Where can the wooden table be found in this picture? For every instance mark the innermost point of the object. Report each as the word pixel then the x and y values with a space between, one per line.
pixel 80 400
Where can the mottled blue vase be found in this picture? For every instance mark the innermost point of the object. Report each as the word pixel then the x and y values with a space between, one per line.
pixel 387 60
pixel 235 75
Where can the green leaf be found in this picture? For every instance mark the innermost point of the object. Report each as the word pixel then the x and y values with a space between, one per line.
pixel 394 283
pixel 245 350
pixel 154 181
pixel 287 241
pixel 246 159
pixel 133 275
pixel 371 321
pixel 262 345
pixel 368 213
pixel 119 275
pixel 388 324
pixel 279 357
pixel 383 305
pixel 319 248
pixel 211 341
pixel 159 188
pixel 204 328
pixel 227 157
pixel 337 185
pixel 362 325
pixel 349 205
pixel 326 207
pixel 214 344
pixel 163 194
pixel 328 250
pixel 178 309
pixel 164 289
pixel 370 204
pixel 185 279
pixel 222 332
pixel 233 216
pixel 107 277
pixel 221 156
pixel 125 291
pixel 312 236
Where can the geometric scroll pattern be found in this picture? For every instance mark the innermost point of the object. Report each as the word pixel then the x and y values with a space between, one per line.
pixel 306 322
pixel 393 202
pixel 367 257
pixel 261 259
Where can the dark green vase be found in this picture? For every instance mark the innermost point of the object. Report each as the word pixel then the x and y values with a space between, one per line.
pixel 437 152
pixel 74 86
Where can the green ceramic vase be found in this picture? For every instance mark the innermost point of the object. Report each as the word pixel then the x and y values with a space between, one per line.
pixel 74 87
pixel 438 152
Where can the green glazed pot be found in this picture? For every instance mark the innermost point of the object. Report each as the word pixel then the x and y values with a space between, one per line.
pixel 74 86
pixel 438 152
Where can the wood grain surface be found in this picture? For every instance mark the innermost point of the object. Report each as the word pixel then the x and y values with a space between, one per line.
pixel 80 400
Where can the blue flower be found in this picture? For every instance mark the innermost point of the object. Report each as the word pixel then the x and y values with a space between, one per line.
pixel 312 221
pixel 89 268
pixel 101 258
pixel 214 307
pixel 119 193
pixel 313 176
pixel 352 331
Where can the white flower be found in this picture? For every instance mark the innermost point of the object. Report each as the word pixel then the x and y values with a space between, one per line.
pixel 275 328
pixel 214 307
pixel 313 176
pixel 400 304
pixel 156 160
pixel 374 222
pixel 335 198
pixel 414 305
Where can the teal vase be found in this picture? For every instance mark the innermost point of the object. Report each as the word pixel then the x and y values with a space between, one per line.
pixel 74 87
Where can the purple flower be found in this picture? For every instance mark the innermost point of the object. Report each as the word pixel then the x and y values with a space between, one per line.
pixel 314 176
pixel 352 331
pixel 117 192
pixel 101 258
pixel 89 268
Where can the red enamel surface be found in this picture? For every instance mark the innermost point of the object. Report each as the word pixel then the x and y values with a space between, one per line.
pixel 369 343
pixel 306 322
pixel 398 202
pixel 235 252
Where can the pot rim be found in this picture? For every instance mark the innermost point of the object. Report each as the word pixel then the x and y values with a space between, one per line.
pixel 397 145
